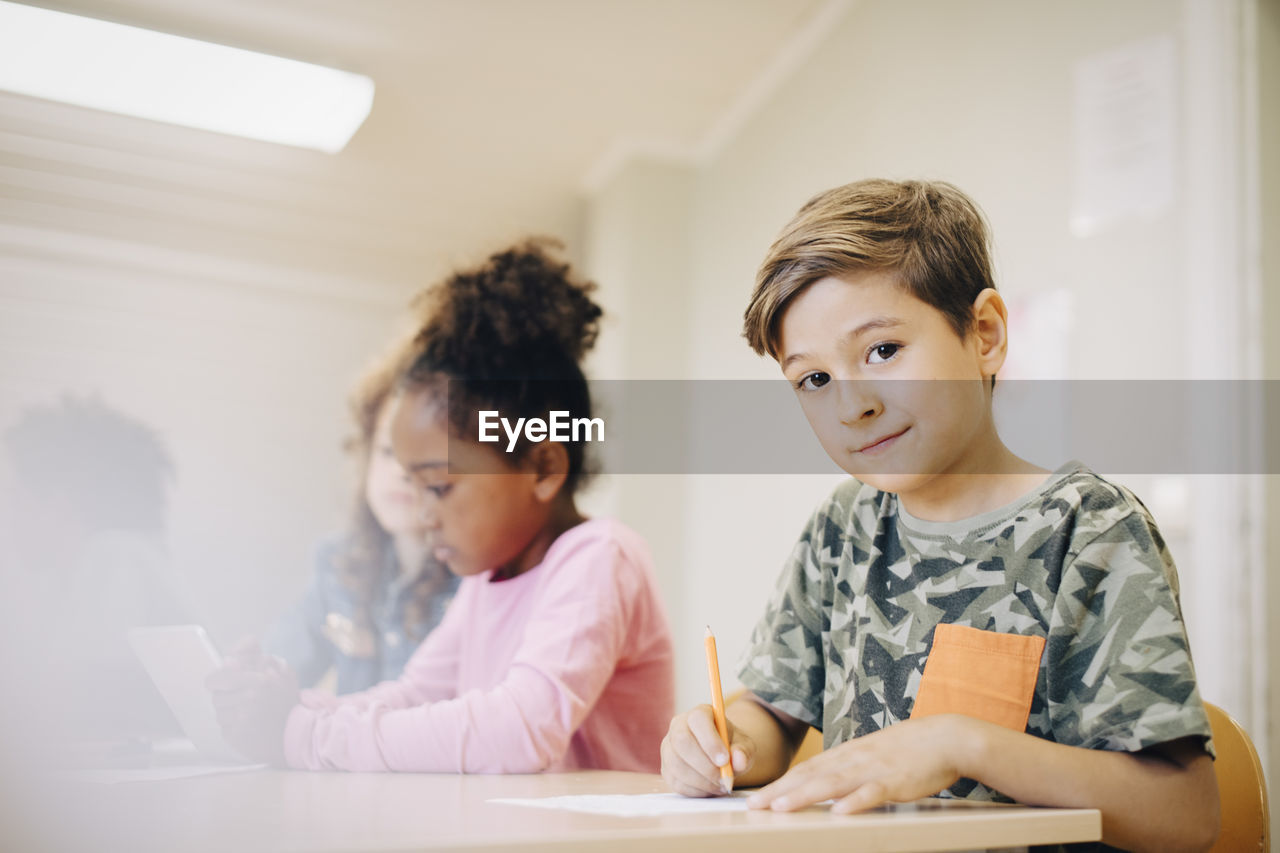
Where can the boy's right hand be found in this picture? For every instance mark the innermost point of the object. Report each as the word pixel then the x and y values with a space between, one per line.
pixel 692 753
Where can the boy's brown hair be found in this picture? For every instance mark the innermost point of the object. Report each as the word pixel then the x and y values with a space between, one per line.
pixel 930 233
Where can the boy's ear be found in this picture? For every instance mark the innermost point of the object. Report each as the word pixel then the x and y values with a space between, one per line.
pixel 550 463
pixel 990 331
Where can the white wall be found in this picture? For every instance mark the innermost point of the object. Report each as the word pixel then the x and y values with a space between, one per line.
pixel 637 244
pixel 1267 96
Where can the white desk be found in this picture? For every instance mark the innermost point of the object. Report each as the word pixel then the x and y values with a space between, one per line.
pixel 277 810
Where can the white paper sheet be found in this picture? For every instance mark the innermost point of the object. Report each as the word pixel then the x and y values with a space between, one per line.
pixel 635 805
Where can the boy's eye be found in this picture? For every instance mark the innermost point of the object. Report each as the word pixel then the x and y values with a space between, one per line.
pixel 880 353
pixel 439 490
pixel 813 381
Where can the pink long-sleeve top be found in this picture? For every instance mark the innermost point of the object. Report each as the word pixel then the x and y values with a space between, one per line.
pixel 566 666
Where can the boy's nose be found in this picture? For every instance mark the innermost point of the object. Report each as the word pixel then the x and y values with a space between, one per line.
pixel 857 400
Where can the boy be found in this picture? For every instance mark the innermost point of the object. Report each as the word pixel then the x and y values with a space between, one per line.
pixel 955 619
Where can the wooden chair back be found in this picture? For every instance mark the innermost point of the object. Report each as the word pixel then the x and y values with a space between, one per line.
pixel 1242 788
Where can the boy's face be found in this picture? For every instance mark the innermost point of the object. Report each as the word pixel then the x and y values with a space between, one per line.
pixel 895 396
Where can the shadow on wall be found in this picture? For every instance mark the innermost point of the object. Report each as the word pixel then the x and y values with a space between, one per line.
pixel 83 559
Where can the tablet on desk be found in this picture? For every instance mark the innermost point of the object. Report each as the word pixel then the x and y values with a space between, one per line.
pixel 179 658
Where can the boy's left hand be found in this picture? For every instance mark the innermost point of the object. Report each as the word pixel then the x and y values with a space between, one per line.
pixel 907 761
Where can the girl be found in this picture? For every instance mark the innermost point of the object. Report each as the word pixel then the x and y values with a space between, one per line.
pixel 377 592
pixel 555 654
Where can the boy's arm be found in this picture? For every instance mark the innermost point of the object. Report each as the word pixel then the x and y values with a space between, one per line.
pixel 762 739
pixel 1163 798
pixel 773 756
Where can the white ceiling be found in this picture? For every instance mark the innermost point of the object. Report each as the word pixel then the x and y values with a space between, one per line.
pixel 490 118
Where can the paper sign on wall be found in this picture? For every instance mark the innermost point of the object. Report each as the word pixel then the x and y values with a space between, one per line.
pixel 1125 134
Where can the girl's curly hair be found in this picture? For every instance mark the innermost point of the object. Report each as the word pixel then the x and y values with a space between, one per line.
pixel 509 335
pixel 368 547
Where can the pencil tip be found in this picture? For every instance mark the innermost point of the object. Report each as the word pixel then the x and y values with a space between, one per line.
pixel 708 630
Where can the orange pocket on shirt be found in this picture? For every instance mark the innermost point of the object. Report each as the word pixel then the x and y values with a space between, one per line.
pixel 981 674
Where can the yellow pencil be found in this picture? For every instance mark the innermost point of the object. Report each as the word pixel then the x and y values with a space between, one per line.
pixel 717 707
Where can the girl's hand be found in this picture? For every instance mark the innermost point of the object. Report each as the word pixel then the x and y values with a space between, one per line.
pixel 253 694
pixel 692 753
pixel 907 761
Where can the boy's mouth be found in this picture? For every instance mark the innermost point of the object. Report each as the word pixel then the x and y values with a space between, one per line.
pixel 881 444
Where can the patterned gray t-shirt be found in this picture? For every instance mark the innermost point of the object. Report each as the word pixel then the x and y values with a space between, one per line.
pixel 1079 561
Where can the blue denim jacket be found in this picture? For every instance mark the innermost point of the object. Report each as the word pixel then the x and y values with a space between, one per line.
pixel 321 630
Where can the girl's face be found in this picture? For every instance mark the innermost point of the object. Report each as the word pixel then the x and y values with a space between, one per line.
pixel 393 499
pixel 487 518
